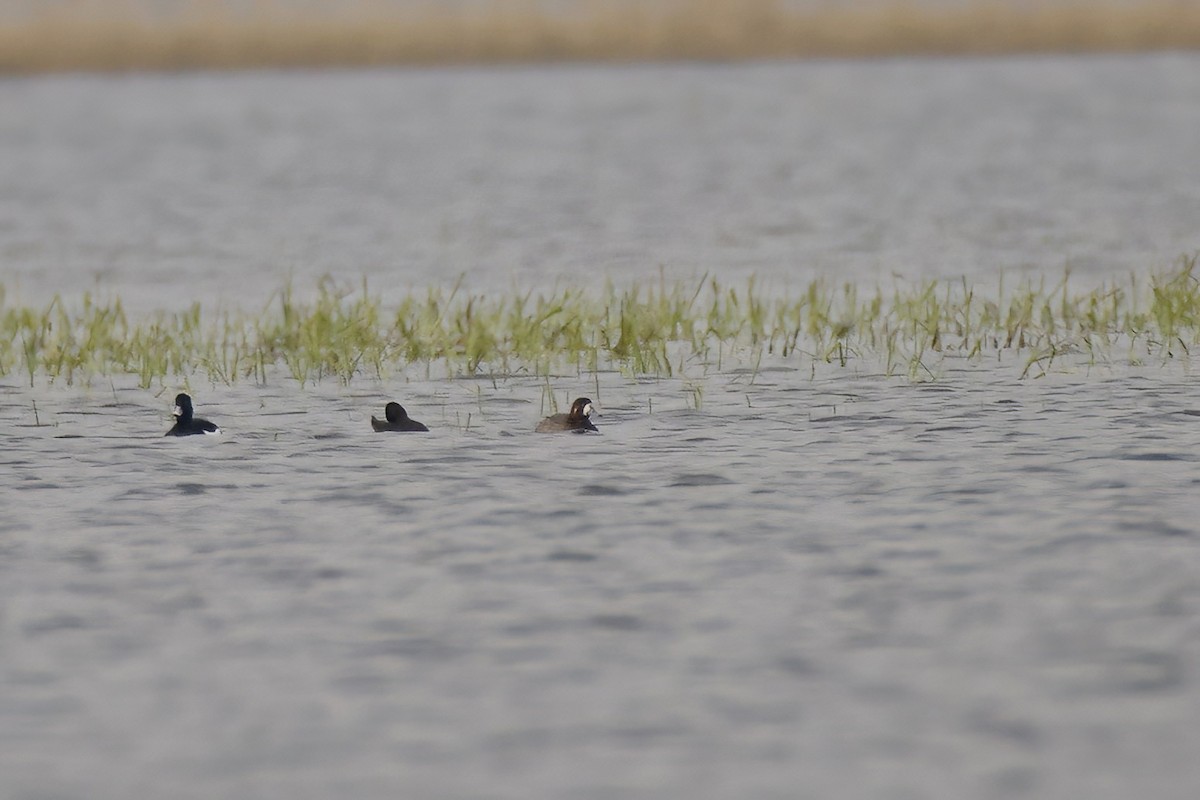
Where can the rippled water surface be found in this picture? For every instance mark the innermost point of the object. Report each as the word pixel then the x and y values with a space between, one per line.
pixel 808 587
pixel 165 189
pixel 782 582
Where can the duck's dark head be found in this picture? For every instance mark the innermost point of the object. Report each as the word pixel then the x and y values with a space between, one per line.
pixel 394 412
pixel 580 409
pixel 183 407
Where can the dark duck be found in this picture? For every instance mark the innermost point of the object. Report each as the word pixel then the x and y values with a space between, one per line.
pixel 185 423
pixel 396 419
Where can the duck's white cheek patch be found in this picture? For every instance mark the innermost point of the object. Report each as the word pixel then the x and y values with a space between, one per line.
pixel 176 411
pixel 587 410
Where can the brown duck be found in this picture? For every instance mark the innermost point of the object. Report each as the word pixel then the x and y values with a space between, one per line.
pixel 577 420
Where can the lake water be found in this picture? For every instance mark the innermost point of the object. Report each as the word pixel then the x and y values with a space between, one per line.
pixel 795 582
pixel 214 186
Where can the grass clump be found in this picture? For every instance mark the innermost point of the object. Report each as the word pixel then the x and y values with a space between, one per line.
pixel 654 329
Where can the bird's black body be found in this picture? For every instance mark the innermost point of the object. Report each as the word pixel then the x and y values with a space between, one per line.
pixel 185 423
pixel 396 420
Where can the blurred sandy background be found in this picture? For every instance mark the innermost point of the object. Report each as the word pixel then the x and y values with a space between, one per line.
pixel 52 35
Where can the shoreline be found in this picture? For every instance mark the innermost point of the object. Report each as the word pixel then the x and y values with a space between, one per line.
pixel 212 37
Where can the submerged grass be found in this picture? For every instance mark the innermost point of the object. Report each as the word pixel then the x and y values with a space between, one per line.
pixel 654 329
pixel 191 34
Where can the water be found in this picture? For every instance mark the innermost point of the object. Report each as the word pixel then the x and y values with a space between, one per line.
pixel 164 189
pixel 767 584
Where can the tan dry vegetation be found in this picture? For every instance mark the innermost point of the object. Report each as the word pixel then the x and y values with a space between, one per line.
pixel 123 36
